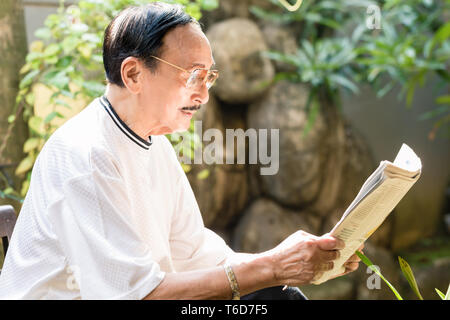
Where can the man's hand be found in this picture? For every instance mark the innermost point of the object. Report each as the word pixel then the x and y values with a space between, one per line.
pixel 302 257
pixel 351 264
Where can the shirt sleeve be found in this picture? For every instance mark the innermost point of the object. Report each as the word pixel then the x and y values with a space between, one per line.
pixel 193 246
pixel 93 224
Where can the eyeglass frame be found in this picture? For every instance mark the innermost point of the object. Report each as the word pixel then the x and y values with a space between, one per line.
pixel 216 72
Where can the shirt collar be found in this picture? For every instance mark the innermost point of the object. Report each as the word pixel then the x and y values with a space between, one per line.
pixel 123 127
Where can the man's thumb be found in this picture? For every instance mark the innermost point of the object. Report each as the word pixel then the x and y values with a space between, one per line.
pixel 330 243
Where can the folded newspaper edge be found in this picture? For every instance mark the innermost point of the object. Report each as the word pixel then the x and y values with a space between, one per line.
pixel 378 196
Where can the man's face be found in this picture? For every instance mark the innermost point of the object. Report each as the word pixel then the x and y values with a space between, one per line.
pixel 165 94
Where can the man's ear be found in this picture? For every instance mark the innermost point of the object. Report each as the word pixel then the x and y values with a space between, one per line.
pixel 132 74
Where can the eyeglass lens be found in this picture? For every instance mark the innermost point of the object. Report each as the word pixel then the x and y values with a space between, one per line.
pixel 200 76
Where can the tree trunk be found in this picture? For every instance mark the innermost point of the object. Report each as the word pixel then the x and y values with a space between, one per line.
pixel 13 49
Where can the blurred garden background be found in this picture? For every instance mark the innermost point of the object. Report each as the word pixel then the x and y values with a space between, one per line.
pixel 346 82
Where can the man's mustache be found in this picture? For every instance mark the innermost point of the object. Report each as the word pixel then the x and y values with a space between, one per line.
pixel 191 108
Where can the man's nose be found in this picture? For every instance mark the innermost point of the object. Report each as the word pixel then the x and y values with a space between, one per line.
pixel 201 95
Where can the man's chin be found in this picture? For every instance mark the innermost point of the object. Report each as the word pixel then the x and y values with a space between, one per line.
pixel 182 128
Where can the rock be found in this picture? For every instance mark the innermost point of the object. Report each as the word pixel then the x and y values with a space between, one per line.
pixel 236 9
pixel 221 196
pixel 280 39
pixel 237 45
pixel 323 171
pixel 224 192
pixel 265 224
pixel 349 165
pixel 301 160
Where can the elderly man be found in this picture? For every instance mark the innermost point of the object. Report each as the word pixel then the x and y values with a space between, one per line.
pixel 110 212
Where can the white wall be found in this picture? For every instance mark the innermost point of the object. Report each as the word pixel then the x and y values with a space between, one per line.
pixel 35 13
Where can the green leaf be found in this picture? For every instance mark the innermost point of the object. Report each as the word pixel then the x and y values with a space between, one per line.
pixel 382 92
pixel 25 187
pixel 43 33
pixel 58 79
pixel 98 58
pixel 35 124
pixel 52 115
pixel 209 4
pixel 70 43
pixel 410 94
pixel 186 167
pixel 369 264
pixel 309 50
pixel 373 74
pixel 64 62
pixel 313 17
pixel 443 99
pixel 85 50
pixel 30 144
pixel 25 165
pixel 8 191
pixel 440 110
pixel 443 33
pixel 62 103
pixel 267 15
pixel 25 68
pixel 203 174
pixel 94 88
pixel 344 82
pixel 91 37
pixel 447 295
pixel 79 28
pixel 440 293
pixel 28 79
pixel 407 271
pixel 52 49
pixel 312 107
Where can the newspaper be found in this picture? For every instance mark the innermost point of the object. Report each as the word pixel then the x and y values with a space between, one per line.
pixel 378 196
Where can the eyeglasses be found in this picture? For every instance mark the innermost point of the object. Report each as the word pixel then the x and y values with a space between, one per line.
pixel 198 77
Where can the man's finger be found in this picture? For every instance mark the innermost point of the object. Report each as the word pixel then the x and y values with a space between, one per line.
pixel 326 266
pixel 329 255
pixel 328 242
pixel 353 258
pixel 350 267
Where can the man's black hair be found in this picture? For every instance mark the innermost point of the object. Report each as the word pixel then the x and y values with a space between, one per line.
pixel 139 32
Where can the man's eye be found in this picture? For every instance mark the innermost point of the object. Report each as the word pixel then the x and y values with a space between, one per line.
pixel 196 73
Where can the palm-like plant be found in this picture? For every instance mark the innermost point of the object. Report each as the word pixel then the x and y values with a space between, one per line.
pixel 338 50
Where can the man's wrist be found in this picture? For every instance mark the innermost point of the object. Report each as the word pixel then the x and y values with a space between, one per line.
pixel 253 271
pixel 235 292
pixel 268 266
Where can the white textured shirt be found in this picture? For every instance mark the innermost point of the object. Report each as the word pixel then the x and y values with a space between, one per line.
pixel 106 216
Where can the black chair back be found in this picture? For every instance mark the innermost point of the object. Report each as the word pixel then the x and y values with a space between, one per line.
pixel 7 222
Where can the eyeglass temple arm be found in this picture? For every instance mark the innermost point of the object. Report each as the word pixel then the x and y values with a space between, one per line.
pixel 170 64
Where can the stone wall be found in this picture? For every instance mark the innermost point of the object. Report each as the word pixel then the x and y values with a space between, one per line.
pixel 319 175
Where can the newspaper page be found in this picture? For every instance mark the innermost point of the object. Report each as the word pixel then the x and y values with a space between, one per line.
pixel 378 196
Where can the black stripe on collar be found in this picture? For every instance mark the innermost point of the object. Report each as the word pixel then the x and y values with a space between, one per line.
pixel 123 127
